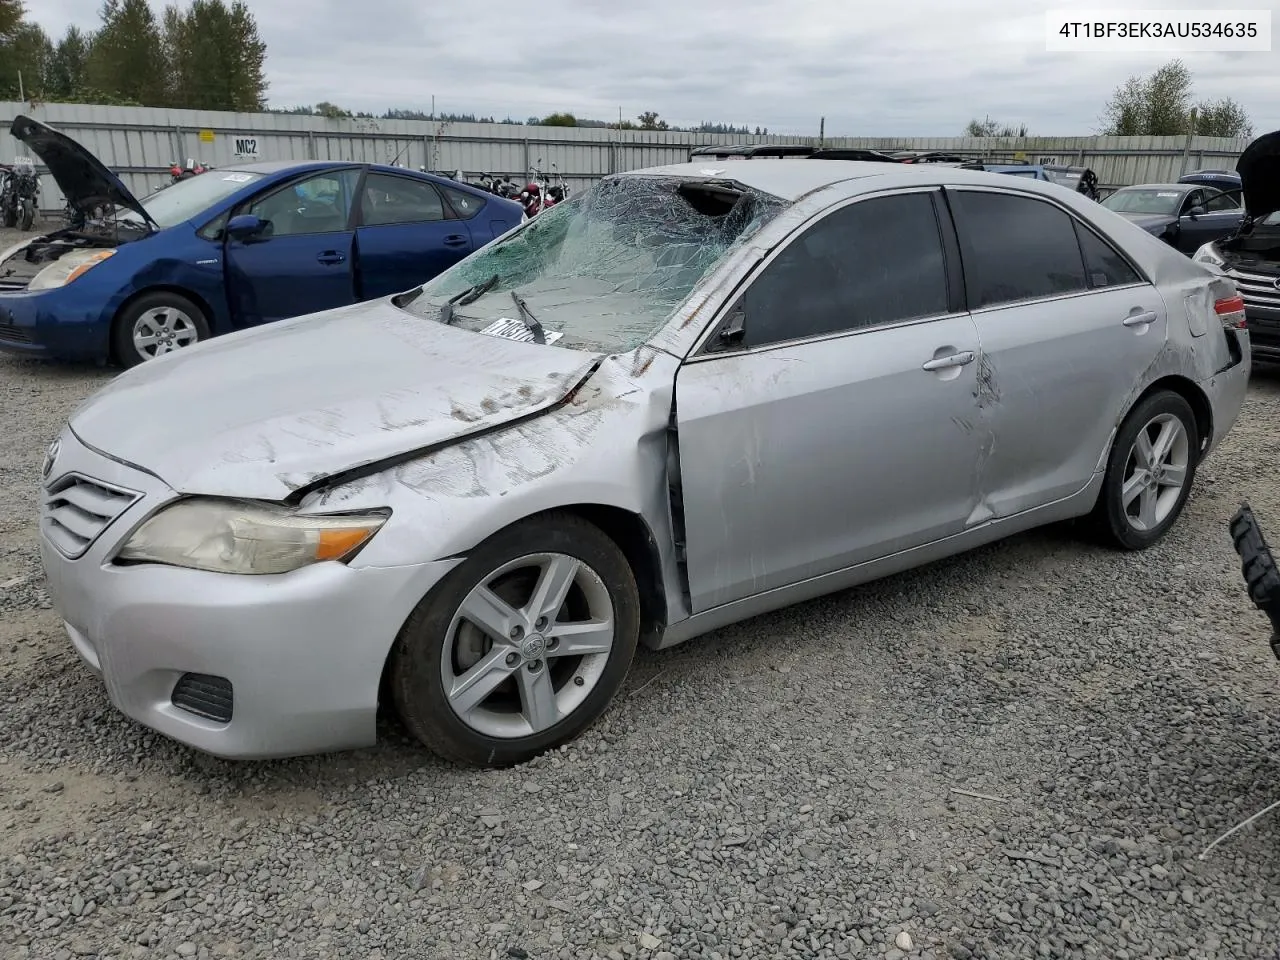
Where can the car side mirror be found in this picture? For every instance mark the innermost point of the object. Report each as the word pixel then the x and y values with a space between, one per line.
pixel 247 227
pixel 1196 211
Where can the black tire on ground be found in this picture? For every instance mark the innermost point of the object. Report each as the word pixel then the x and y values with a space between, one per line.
pixel 418 688
pixel 161 304
pixel 28 218
pixel 10 216
pixel 1111 519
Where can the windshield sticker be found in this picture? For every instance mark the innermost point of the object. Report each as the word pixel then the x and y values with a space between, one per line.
pixel 515 330
pixel 1166 194
pixel 238 177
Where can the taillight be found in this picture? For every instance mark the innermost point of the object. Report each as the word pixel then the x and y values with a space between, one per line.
pixel 1230 311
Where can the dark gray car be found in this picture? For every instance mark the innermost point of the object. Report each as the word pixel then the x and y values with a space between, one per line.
pixel 1184 215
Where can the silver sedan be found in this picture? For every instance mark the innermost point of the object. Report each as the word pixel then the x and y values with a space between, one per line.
pixel 688 396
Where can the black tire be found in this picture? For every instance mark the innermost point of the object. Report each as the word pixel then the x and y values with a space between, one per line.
pixel 10 216
pixel 28 219
pixel 182 313
pixel 416 681
pixel 1111 517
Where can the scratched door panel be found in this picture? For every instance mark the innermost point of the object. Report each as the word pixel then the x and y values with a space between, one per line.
pixel 1058 375
pixel 799 460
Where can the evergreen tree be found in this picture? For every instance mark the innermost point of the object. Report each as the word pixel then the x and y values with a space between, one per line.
pixel 126 58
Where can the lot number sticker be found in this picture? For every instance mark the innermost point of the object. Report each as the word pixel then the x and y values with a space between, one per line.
pixel 246 148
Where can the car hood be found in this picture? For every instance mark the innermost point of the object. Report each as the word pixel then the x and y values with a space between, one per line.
pixel 1259 169
pixel 84 180
pixel 260 413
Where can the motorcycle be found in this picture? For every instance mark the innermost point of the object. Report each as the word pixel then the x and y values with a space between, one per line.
pixel 538 195
pixel 20 194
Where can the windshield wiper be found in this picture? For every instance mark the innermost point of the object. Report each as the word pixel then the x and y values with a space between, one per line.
pixel 469 295
pixel 529 319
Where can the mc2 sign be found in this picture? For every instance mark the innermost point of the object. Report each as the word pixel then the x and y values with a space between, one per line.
pixel 246 148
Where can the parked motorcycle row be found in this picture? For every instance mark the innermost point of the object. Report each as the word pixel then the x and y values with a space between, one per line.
pixel 540 192
pixel 19 193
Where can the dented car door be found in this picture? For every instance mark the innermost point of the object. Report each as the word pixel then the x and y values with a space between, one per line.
pixel 1068 326
pixel 828 419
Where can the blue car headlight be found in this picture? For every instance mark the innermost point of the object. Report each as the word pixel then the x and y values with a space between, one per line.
pixel 66 268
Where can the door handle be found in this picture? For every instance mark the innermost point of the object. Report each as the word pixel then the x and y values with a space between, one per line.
pixel 1140 319
pixel 331 256
pixel 455 240
pixel 955 360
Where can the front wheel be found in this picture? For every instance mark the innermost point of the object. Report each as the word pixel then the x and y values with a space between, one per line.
pixel 521 647
pixel 156 324
pixel 1149 472
pixel 28 218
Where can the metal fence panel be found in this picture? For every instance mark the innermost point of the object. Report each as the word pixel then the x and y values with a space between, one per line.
pixel 140 143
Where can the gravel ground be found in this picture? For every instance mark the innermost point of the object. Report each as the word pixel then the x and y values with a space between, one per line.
pixel 785 788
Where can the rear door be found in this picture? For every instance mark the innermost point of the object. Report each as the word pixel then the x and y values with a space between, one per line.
pixel 407 234
pixel 1068 327
pixel 303 263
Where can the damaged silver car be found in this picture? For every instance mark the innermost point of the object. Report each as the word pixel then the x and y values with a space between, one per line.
pixel 685 397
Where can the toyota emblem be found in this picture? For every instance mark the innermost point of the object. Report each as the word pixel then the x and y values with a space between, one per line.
pixel 50 456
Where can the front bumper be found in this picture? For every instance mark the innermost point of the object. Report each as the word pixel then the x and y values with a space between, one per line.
pixel 302 653
pixel 54 324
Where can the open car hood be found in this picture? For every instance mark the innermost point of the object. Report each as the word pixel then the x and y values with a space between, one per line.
pixel 264 412
pixel 1259 169
pixel 83 179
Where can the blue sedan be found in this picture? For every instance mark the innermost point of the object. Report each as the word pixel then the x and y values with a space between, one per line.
pixel 226 250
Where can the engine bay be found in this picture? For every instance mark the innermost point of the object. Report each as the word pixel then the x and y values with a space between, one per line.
pixel 17 270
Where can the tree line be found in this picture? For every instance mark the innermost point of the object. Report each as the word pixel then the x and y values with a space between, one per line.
pixel 649 120
pixel 1161 104
pixel 207 56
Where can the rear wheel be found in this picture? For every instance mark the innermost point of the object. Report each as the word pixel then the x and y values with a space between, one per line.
pixel 521 647
pixel 156 324
pixel 1149 473
pixel 10 215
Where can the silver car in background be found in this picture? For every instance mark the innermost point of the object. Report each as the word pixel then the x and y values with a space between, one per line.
pixel 688 396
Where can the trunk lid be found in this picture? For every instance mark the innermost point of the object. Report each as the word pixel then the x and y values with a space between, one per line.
pixel 83 179
pixel 260 413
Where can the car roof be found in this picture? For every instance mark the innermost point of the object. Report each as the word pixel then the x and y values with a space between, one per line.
pixel 792 179
pixel 268 167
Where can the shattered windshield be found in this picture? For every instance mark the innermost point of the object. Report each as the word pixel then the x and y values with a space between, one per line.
pixel 604 270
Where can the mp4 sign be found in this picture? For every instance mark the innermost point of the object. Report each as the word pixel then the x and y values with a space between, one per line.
pixel 246 148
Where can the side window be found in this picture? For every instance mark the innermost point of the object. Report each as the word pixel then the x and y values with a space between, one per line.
pixel 389 199
pixel 1015 248
pixel 1193 199
pixel 319 204
pixel 1106 268
pixel 1220 203
pixel 873 262
pixel 465 205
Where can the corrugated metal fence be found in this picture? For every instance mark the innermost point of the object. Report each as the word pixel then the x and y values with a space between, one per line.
pixel 140 143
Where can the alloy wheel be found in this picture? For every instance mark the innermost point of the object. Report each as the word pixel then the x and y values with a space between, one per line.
pixel 1155 472
pixel 527 645
pixel 162 330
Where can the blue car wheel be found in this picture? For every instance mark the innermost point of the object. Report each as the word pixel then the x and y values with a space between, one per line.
pixel 156 324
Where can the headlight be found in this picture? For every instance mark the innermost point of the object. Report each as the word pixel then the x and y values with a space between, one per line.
pixel 1209 254
pixel 230 536
pixel 66 268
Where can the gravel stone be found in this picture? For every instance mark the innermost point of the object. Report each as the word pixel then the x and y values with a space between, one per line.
pixel 727 810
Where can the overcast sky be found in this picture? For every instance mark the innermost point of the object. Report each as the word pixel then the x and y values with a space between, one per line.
pixel 914 67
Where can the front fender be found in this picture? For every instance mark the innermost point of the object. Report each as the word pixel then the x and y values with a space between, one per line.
pixel 606 447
